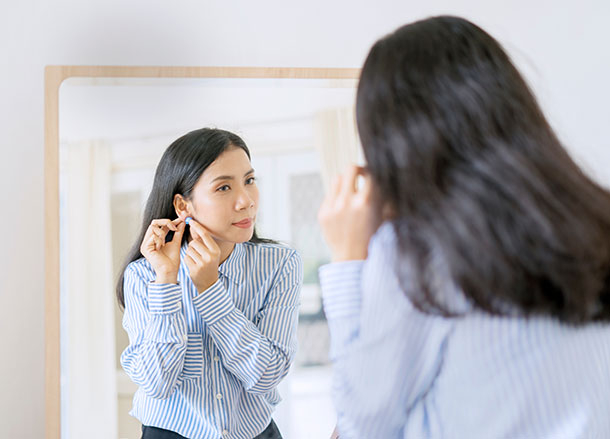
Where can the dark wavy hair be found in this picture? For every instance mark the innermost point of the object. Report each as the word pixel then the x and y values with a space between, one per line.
pixel 180 167
pixel 459 148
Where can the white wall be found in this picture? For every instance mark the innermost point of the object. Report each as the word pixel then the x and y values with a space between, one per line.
pixel 562 45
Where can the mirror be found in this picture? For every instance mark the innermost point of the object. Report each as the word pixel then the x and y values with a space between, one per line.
pixel 106 128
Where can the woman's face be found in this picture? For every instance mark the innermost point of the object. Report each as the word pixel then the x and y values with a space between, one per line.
pixel 225 198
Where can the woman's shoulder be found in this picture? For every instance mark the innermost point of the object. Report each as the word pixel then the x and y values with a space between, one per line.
pixel 383 240
pixel 140 268
pixel 385 232
pixel 275 252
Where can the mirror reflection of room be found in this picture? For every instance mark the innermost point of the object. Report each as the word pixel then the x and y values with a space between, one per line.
pixel 112 135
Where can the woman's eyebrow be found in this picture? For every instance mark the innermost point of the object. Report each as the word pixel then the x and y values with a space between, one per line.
pixel 230 177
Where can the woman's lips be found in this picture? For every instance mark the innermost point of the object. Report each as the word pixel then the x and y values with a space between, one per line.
pixel 243 224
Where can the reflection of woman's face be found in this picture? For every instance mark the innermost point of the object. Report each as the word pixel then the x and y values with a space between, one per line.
pixel 226 196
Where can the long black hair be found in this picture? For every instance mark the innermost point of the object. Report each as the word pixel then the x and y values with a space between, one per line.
pixel 458 146
pixel 180 167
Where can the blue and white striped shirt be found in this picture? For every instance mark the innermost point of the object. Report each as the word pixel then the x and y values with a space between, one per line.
pixel 207 365
pixel 399 373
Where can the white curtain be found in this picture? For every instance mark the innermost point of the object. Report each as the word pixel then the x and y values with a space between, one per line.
pixel 336 140
pixel 89 394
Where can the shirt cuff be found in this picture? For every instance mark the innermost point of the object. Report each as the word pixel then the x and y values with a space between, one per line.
pixel 164 298
pixel 341 288
pixel 214 303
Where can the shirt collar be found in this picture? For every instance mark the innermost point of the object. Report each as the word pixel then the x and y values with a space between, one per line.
pixel 233 267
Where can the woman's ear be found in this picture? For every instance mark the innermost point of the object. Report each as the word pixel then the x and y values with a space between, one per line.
pixel 181 206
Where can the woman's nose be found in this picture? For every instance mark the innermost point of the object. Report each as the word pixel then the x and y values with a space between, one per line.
pixel 244 201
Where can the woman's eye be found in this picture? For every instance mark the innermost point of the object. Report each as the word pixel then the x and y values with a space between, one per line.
pixel 251 180
pixel 223 188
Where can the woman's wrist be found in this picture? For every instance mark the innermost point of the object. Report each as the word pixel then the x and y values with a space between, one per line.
pixel 167 278
pixel 206 285
pixel 350 254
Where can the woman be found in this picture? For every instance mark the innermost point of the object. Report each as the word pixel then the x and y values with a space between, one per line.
pixel 480 306
pixel 210 309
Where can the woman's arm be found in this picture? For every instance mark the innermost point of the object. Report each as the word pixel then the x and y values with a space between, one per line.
pixel 258 355
pixel 386 355
pixel 157 333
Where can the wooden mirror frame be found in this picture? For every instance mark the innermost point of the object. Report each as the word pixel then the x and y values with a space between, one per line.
pixel 54 76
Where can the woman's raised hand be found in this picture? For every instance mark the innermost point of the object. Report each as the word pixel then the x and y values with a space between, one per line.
pixel 163 256
pixel 202 257
pixel 347 216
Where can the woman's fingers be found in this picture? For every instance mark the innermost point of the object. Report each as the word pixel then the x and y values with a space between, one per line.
pixel 162 226
pixel 161 232
pixel 154 238
pixel 348 181
pixel 336 194
pixel 158 236
pixel 348 221
pixel 163 256
pixel 203 249
pixel 207 251
pixel 332 195
pixel 146 241
pixel 198 247
pixel 211 245
pixel 159 242
pixel 159 228
pixel 204 235
pixel 164 222
pixel 197 230
pixel 345 186
pixel 366 190
pixel 194 254
pixel 177 238
pixel 190 262
pixel 150 244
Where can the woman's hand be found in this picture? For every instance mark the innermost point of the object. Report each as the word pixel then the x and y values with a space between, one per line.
pixel 347 216
pixel 202 257
pixel 163 256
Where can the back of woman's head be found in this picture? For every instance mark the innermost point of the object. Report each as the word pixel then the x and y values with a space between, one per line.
pixel 459 148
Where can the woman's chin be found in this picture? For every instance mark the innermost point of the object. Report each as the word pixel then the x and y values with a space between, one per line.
pixel 237 236
pixel 246 235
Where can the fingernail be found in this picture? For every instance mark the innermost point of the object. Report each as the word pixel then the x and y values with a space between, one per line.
pixel 187 220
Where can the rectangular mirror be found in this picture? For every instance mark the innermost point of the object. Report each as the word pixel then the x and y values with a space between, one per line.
pixel 106 128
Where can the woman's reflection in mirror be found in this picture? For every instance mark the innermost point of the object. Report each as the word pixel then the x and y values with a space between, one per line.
pixel 210 308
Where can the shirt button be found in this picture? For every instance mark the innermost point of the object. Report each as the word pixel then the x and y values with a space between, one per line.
pixel 225 433
pixel 219 396
pixel 216 359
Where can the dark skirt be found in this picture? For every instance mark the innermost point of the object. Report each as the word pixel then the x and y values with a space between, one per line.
pixel 271 432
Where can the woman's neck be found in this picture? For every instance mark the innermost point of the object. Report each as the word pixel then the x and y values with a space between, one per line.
pixel 226 248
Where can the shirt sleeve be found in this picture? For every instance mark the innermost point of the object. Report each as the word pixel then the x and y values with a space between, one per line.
pixel 259 355
pixel 385 353
pixel 157 333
